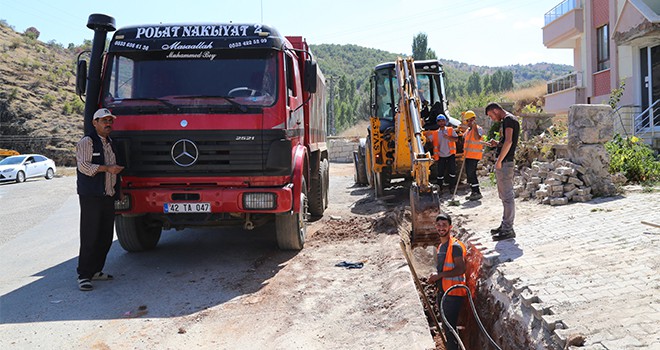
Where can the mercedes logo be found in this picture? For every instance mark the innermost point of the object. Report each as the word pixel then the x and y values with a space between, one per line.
pixel 184 153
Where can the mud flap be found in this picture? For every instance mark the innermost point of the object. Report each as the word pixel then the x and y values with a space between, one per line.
pixel 424 206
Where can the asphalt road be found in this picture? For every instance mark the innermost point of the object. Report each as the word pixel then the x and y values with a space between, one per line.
pixel 207 288
pixel 40 303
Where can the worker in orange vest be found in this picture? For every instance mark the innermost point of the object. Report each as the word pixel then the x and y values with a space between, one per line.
pixel 451 271
pixel 444 152
pixel 473 150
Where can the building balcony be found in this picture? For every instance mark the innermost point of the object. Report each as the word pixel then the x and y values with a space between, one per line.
pixel 564 92
pixel 563 25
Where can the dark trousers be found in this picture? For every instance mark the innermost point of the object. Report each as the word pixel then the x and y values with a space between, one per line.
pixel 471 172
pixel 447 171
pixel 97 218
pixel 452 308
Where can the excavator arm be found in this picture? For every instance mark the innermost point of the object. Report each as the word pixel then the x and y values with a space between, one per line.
pixel 424 199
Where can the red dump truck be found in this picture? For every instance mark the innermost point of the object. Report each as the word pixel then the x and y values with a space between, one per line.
pixel 217 124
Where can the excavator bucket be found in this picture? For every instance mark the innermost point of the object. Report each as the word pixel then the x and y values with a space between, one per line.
pixel 424 207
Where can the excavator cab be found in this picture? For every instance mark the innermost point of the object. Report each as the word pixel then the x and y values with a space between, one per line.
pixel 404 94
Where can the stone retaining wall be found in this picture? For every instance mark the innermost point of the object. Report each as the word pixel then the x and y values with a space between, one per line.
pixel 340 149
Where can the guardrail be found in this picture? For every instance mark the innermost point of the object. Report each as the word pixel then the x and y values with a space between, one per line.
pixel 561 9
pixel 565 82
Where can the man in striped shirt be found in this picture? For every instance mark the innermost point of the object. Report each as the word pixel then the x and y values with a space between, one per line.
pixel 98 188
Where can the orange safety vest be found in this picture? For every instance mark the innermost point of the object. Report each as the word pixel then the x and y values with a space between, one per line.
pixel 447 282
pixel 472 146
pixel 436 143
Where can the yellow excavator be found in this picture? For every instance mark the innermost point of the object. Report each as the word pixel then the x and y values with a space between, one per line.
pixel 406 96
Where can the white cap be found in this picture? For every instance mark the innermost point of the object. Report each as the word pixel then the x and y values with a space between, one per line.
pixel 102 113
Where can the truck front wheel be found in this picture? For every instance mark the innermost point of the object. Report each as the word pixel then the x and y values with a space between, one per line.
pixel 291 228
pixel 134 233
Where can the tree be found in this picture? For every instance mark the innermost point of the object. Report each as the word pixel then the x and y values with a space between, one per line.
pixel 474 84
pixel 507 81
pixel 430 55
pixel 420 46
pixel 486 84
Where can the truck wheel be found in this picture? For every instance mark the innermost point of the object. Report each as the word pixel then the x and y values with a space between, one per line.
pixel 326 182
pixel 291 228
pixel 318 197
pixel 135 235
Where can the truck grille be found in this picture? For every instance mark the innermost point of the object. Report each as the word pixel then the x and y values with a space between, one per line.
pixel 219 153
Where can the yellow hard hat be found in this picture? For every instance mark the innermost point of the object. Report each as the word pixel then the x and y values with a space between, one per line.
pixel 467 115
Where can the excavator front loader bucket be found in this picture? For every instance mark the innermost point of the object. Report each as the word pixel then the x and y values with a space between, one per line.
pixel 424 207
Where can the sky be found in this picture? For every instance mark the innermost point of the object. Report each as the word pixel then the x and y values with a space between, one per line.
pixel 479 32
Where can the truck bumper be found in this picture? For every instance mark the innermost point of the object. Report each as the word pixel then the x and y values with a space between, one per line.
pixel 221 200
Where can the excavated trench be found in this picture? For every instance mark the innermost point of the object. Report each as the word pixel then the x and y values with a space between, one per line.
pixel 509 321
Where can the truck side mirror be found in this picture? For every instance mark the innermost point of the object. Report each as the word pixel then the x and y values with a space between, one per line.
pixel 310 76
pixel 81 77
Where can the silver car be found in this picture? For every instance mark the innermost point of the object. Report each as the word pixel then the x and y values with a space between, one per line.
pixel 24 166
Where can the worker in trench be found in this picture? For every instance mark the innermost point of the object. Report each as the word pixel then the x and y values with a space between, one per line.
pixel 450 271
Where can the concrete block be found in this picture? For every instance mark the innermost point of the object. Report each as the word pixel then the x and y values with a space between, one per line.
pixel 528 298
pixel 569 187
pixel 575 181
pixel 552 182
pixel 540 194
pixel 570 194
pixel 540 309
pixel 583 198
pixel 558 188
pixel 490 260
pixel 552 322
pixel 536 180
pixel 580 169
pixel 584 191
pixel 559 201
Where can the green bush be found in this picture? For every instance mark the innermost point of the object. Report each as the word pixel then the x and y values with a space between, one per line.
pixel 635 159
pixel 49 100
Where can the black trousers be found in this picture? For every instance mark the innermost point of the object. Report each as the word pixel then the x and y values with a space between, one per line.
pixel 452 308
pixel 471 172
pixel 447 171
pixel 97 219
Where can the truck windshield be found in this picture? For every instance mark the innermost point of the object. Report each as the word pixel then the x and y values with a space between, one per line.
pixel 212 78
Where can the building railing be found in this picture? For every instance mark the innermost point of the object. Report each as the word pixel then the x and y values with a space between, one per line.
pixel 561 9
pixel 648 120
pixel 565 82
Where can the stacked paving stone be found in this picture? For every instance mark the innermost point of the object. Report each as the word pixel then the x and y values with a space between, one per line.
pixel 555 183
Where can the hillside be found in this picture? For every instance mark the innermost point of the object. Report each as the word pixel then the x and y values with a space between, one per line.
pixel 40 113
pixel 357 62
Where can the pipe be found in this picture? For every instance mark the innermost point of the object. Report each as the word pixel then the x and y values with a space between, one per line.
pixel 101 25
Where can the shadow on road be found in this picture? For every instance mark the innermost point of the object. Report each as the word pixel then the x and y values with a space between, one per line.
pixel 189 271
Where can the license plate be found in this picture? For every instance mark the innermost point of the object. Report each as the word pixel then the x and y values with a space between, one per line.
pixel 187 208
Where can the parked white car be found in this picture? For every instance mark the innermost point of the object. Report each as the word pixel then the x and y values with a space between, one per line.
pixel 24 166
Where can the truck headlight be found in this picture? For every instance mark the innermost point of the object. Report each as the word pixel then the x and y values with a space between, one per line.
pixel 259 200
